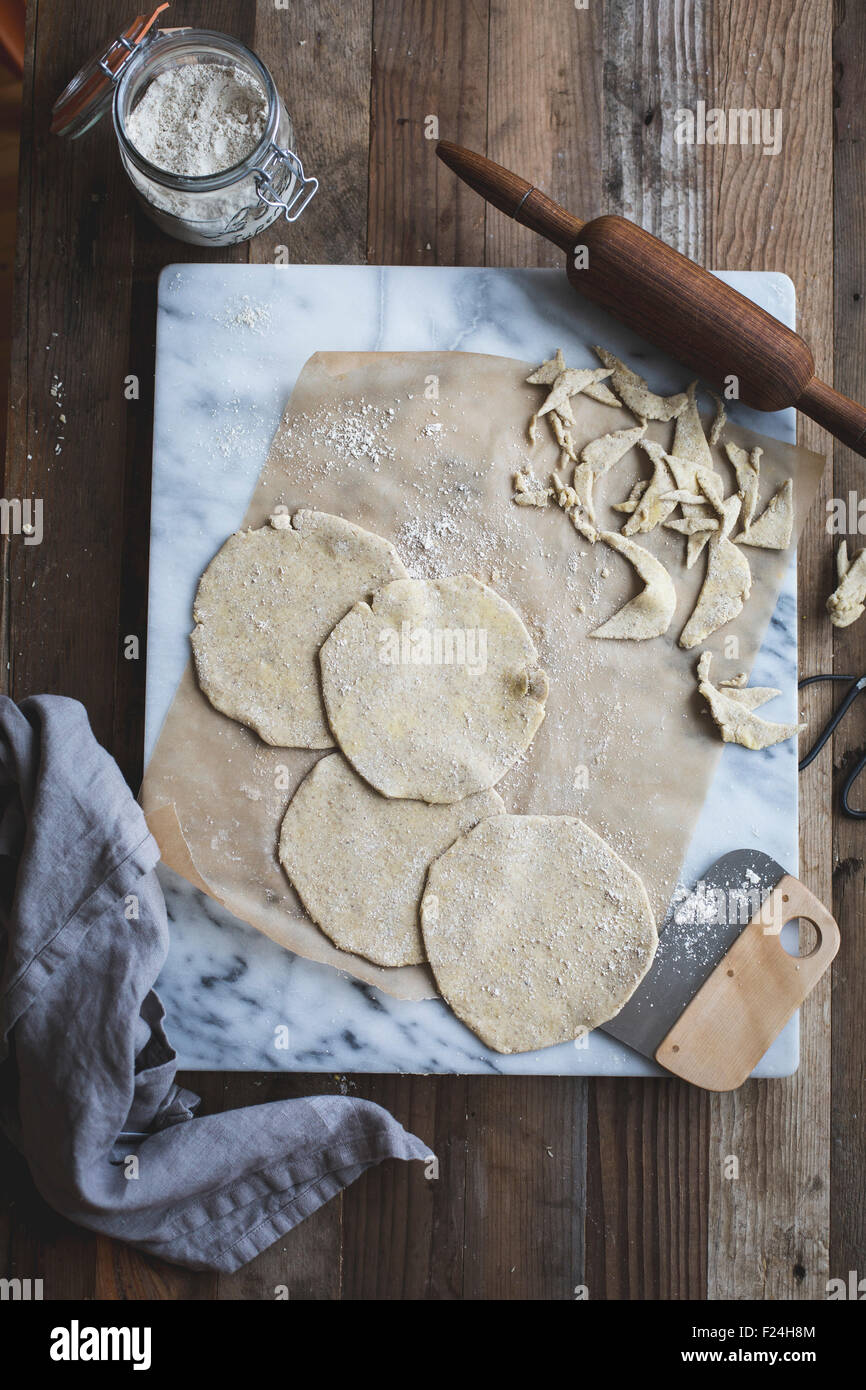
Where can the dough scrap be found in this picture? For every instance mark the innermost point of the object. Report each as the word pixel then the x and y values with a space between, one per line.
pixel 630 503
pixel 601 392
pixel 433 689
pixel 732 709
pixel 650 613
pixel 847 602
pixel 721 419
pixel 690 442
pixel 570 383
pixel 536 930
pixel 595 459
pixel 546 374
pixel 691 450
pixel 358 860
pixel 774 527
pixel 574 507
pixel 652 508
pixel 692 525
pixel 728 581
pixel 529 491
pixel 601 454
pixel 636 395
pixel 265 604
pixel 563 436
pixel 684 496
pixel 735 686
pixel 747 468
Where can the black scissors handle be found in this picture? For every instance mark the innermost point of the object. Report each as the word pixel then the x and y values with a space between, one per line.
pixel 830 728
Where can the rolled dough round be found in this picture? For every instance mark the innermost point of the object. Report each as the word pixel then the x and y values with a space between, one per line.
pixel 265 604
pixel 433 689
pixel 358 859
pixel 536 931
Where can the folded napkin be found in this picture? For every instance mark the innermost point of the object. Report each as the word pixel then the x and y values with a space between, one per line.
pixel 87 1090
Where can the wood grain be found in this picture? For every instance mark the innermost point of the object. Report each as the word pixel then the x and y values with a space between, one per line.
pixel 646 1202
pixel 544 115
pixel 769 1226
pixel 848 1103
pixel 319 55
pixel 429 61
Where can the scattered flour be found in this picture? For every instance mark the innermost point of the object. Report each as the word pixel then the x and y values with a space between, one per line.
pixel 243 313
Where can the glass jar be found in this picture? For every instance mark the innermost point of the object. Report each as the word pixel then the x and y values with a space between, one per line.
pixel 212 209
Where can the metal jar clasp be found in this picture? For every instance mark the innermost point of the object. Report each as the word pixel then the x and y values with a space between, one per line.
pixel 302 190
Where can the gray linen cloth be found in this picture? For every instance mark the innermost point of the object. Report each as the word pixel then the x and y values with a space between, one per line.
pixel 84 1059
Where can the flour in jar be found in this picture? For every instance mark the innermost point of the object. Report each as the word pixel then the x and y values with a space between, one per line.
pixel 199 118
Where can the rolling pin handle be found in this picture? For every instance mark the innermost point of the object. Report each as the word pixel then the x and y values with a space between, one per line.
pixel 842 417
pixel 512 195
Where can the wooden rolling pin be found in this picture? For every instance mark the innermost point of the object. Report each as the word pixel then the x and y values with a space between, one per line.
pixel 672 302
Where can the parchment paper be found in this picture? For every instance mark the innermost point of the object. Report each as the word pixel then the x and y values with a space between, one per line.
pixel 421 448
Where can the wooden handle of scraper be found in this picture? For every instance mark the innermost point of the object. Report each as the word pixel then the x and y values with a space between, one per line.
pixel 714 330
pixel 720 1037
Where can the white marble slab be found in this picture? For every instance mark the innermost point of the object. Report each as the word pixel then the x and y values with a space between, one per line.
pixel 231 341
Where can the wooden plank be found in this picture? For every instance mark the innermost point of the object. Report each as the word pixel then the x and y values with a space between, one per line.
pixel 646 1185
pixel 10 121
pixel 323 56
pixel 319 56
pixel 525 1188
pixel 544 115
pixel 848 1104
pixel 72 326
pixel 428 61
pixel 769 1226
pixel 646 1205
pixel 655 60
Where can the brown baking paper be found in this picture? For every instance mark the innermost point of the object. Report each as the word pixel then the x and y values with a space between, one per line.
pixel 421 448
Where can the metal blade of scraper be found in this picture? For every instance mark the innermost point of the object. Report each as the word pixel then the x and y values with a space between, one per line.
pixel 699 929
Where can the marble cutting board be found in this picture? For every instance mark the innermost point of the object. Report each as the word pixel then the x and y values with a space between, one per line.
pixel 231 340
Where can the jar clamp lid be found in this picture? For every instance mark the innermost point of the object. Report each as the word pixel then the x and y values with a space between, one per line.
pixel 89 94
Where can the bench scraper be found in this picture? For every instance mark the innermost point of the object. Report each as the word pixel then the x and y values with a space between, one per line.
pixel 722 986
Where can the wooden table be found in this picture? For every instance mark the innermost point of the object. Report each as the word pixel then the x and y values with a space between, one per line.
pixel 545 1184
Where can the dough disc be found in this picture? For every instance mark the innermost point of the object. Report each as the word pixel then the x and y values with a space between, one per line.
pixel 535 930
pixel 265 604
pixel 358 859
pixel 434 689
